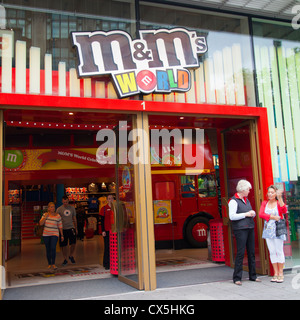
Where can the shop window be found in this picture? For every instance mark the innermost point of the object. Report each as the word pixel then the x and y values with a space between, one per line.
pixel 207 185
pixel 84 139
pixel 165 190
pixel 49 24
pixel 46 140
pixel 16 141
pixel 225 72
pixel 187 186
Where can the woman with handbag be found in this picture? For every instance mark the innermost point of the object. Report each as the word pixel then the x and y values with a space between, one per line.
pixel 274 232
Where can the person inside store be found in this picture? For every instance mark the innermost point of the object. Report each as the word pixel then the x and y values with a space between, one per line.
pixel 52 223
pixel 68 242
pixel 273 210
pixel 107 219
pixel 241 216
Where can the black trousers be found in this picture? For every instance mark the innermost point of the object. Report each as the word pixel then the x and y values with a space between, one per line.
pixel 106 260
pixel 244 240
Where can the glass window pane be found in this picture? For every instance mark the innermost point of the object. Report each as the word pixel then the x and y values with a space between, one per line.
pixel 187 186
pixel 225 75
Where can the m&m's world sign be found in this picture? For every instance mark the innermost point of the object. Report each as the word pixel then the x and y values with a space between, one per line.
pixel 158 61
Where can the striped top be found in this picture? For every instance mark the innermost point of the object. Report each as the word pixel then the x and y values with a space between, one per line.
pixel 52 226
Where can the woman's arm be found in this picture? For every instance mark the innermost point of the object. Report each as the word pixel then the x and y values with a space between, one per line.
pixel 43 219
pixel 262 213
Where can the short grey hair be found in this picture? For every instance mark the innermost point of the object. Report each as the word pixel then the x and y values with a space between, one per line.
pixel 243 185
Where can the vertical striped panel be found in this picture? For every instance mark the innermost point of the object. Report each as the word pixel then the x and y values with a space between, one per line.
pixel 62 89
pixel 228 73
pixel 158 97
pixel 209 81
pixel 287 114
pixel 7 53
pixel 111 92
pixel 180 97
pixel 268 103
pixel 278 114
pixel 295 107
pixel 48 73
pixel 100 89
pixel 297 59
pixel 200 84
pixel 169 97
pixel 219 77
pixel 238 74
pixel 191 95
pixel 74 83
pixel 34 70
pixel 87 88
pixel 20 66
pixel 258 75
pixel 147 97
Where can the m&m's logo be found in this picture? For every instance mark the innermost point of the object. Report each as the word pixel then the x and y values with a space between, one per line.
pixel 156 62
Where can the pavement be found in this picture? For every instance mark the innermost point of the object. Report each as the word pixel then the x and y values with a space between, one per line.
pixel 198 284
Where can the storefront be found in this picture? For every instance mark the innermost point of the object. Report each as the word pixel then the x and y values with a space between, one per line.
pixel 226 75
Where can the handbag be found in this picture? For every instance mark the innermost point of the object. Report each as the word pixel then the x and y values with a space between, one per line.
pixel 281 228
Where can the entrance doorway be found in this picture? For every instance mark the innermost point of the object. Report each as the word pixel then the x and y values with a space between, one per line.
pixel 188 201
pixel 241 159
pixel 48 155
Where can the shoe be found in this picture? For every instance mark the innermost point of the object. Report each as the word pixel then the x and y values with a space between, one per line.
pixel 72 259
pixel 256 280
pixel 106 268
pixel 238 283
pixel 274 279
pixel 54 267
pixel 280 279
pixel 65 263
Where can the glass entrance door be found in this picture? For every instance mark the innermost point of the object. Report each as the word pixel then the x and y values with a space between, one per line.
pixel 241 160
pixel 126 209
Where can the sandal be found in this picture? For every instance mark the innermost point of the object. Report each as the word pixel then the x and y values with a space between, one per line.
pixel 280 279
pixel 274 279
pixel 238 283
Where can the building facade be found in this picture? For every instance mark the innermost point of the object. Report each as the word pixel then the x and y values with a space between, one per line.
pixel 246 81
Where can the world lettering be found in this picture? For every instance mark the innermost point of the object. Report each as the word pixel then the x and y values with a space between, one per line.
pixel 156 62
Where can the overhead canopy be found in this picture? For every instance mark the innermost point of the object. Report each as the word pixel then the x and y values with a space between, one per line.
pixel 280 9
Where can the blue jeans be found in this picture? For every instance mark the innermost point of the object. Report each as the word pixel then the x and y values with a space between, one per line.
pixel 50 243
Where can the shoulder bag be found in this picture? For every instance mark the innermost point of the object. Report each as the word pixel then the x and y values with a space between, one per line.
pixel 281 228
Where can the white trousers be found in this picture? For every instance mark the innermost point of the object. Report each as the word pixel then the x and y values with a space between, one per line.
pixel 275 247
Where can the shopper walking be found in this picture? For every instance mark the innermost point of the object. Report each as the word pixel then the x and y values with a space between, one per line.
pixel 107 219
pixel 271 211
pixel 52 228
pixel 241 216
pixel 68 242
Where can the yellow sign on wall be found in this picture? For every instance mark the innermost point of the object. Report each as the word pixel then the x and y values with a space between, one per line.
pixel 162 211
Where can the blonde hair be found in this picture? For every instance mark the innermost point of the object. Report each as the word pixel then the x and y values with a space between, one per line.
pixel 50 204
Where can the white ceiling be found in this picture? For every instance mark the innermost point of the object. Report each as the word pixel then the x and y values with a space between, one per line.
pixel 269 8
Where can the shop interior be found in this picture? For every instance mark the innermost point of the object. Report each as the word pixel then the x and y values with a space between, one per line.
pixel 28 191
